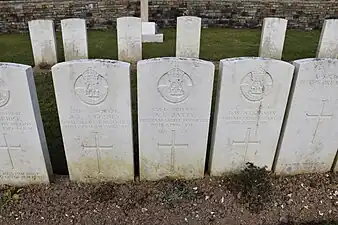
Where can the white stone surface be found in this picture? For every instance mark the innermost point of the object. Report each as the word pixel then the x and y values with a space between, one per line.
pixel 144 10
pixel 129 39
pixel 148 28
pixel 310 139
pixel 272 38
pixel 251 102
pixel 74 37
pixel 43 42
pixel 151 38
pixel 24 157
pixel 93 99
pixel 174 101
pixel 188 36
pixel 328 43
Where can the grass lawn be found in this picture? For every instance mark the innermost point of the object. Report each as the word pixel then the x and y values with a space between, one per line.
pixel 216 44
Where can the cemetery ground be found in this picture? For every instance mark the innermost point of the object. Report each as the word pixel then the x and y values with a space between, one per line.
pixel 252 197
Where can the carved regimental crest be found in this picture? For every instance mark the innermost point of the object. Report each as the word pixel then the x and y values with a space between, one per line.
pixel 4 93
pixel 91 87
pixel 175 86
pixel 256 84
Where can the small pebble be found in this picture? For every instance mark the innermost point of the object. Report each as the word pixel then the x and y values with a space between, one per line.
pixel 320 213
pixel 186 220
pixel 195 188
pixel 144 210
pixel 222 200
pixel 207 197
pixel 42 217
pixel 306 207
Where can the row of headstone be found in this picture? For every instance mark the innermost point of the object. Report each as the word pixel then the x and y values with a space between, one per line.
pixel 265 113
pixel 43 40
pixel 94 105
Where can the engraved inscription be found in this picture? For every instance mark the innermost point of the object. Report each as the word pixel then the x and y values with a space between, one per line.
pixel 172 146
pixel 17 175
pixel 9 148
pixel 256 84
pixel 237 116
pixel 319 117
pixel 323 78
pixel 246 142
pixel 4 93
pixel 91 87
pixel 175 85
pixel 98 148
pixel 173 118
pixel 11 121
pixel 82 119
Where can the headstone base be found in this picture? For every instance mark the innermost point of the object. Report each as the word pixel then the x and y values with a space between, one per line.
pixel 150 33
pixel 148 38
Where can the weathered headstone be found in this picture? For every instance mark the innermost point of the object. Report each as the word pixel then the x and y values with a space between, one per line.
pixel 188 36
pixel 251 102
pixel 93 98
pixel 174 101
pixel 272 38
pixel 43 42
pixel 328 44
pixel 24 157
pixel 310 141
pixel 150 33
pixel 129 39
pixel 74 36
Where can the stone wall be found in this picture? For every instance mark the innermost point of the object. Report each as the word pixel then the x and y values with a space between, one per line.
pixel 101 14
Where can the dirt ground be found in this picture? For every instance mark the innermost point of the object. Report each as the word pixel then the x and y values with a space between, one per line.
pixel 251 197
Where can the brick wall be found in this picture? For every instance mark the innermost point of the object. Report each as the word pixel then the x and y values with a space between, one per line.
pixel 101 14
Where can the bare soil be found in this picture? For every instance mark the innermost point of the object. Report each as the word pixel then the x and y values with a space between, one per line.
pixel 252 197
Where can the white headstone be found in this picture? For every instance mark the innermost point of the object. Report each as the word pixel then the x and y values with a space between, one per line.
pixel 310 138
pixel 272 38
pixel 188 36
pixel 150 33
pixel 43 42
pixel 74 36
pixel 24 157
pixel 328 44
pixel 174 101
pixel 93 99
pixel 129 39
pixel 251 102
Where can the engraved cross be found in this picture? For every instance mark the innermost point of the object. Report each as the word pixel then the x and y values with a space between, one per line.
pixel 97 147
pixel 320 117
pixel 173 146
pixel 9 148
pixel 246 142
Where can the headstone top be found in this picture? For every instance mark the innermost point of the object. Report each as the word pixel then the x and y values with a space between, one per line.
pixel 90 61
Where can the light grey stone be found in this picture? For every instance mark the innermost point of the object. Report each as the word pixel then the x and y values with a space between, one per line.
pixel 43 42
pixel 310 139
pixel 129 39
pixel 174 101
pixel 24 157
pixel 152 38
pixel 188 36
pixel 272 38
pixel 251 101
pixel 144 10
pixel 328 43
pixel 74 37
pixel 93 99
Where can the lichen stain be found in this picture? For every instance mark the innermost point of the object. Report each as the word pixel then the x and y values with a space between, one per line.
pixel 87 170
pixel 150 170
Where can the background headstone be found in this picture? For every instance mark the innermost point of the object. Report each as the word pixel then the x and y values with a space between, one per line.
pixel 310 140
pixel 272 38
pixel 74 37
pixel 188 36
pixel 251 102
pixel 93 99
pixel 328 43
pixel 42 35
pixel 24 157
pixel 129 39
pixel 174 101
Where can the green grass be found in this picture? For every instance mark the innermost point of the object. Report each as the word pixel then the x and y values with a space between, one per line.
pixel 216 44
